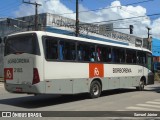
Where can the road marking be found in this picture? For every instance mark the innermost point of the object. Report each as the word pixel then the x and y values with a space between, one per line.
pixel 1 85
pixel 141 108
pixel 152 102
pixel 147 105
pixel 121 110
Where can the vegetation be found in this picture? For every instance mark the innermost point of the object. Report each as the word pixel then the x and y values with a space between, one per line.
pixel 157 76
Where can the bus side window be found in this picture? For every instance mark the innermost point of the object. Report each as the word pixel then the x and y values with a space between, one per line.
pixel 61 51
pixel 141 58
pixel 118 55
pixel 67 50
pixel 70 51
pixel 121 55
pixel 103 53
pixel 51 48
pixel 92 53
pixel 130 56
pixel 85 52
pixel 109 55
pixel 113 56
pixel 99 54
pixel 80 51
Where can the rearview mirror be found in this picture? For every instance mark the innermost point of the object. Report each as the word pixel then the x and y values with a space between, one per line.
pixel 0 40
pixel 4 39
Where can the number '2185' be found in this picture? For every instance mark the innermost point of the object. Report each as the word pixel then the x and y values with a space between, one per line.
pixel 18 70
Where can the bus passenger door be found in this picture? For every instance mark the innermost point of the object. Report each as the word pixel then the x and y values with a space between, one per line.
pixel 150 69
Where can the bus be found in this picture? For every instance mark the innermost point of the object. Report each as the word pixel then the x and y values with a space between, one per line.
pixel 39 62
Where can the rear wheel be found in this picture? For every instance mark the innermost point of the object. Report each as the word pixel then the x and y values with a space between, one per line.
pixel 95 89
pixel 141 86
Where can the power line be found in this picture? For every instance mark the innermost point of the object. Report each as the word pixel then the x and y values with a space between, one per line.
pixel 128 11
pixel 117 6
pixel 125 18
pixel 139 2
pixel 36 12
pixel 108 7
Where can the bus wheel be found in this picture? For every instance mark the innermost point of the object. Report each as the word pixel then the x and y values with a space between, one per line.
pixel 141 86
pixel 35 94
pixel 95 89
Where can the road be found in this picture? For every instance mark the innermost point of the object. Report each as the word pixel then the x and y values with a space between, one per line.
pixel 112 100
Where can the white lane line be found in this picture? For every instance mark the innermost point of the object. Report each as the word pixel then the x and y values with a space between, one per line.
pixel 141 108
pixel 152 102
pixel 147 105
pixel 120 110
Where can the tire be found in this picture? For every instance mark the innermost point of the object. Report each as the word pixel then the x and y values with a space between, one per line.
pixel 36 94
pixel 95 89
pixel 141 86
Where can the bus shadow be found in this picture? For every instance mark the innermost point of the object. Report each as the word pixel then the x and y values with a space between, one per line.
pixel 51 100
pixel 154 89
pixel 117 91
pixel 41 100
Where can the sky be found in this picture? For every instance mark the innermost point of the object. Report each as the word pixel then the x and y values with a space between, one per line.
pixel 104 10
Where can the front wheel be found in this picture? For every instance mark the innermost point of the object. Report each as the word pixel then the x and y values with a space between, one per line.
pixel 141 86
pixel 95 89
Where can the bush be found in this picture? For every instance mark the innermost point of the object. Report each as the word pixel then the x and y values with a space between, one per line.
pixel 157 76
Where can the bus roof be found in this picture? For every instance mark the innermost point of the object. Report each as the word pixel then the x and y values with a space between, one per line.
pixel 111 42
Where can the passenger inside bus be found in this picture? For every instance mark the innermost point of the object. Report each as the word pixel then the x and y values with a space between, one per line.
pixel 92 56
pixel 98 54
pixel 80 50
pixel 61 52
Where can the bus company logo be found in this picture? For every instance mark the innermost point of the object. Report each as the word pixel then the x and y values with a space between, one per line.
pixel 122 70
pixel 96 70
pixel 8 73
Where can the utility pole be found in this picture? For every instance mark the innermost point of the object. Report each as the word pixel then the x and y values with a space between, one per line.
pixel 148 31
pixel 77 18
pixel 149 39
pixel 36 12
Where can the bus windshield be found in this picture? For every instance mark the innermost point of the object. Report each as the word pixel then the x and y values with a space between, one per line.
pixel 25 43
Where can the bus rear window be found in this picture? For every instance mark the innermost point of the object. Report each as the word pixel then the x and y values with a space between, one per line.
pixel 26 43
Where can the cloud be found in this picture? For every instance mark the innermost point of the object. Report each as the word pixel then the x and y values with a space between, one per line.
pixel 156 28
pixel 117 11
pixel 50 6
pixel 112 12
pixel 24 10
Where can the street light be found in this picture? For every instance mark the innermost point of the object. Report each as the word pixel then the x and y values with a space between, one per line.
pixel 0 40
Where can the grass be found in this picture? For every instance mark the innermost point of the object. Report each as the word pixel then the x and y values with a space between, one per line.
pixel 157 76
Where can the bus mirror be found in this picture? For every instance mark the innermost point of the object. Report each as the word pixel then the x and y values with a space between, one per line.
pixel 4 39
pixel 0 40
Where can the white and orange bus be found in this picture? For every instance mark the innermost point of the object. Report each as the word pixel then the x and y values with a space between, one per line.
pixel 39 62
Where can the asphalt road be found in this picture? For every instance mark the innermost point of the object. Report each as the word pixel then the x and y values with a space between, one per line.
pixel 112 101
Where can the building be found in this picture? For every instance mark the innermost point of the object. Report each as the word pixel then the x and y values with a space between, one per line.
pixel 156 53
pixel 156 49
